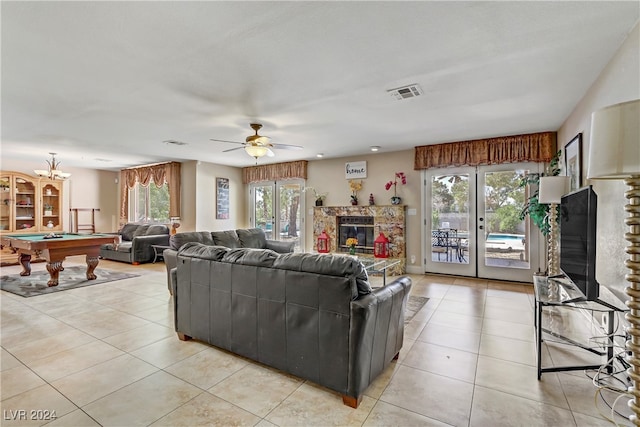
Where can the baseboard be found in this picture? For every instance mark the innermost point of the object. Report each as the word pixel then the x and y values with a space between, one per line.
pixel 415 269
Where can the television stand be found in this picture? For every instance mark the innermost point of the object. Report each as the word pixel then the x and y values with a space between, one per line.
pixel 562 294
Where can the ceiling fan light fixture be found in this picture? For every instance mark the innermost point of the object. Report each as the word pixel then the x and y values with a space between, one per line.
pixel 256 151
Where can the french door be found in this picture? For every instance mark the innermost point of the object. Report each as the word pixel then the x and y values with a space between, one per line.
pixel 472 223
pixel 277 208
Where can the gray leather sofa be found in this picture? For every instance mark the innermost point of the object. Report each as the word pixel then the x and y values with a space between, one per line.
pixel 311 315
pixel 135 243
pixel 240 238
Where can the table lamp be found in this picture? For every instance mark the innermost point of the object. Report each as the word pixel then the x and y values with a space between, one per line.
pixel 551 189
pixel 614 153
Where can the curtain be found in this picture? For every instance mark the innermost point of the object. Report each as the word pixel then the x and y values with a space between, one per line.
pixel 534 147
pixel 275 172
pixel 161 173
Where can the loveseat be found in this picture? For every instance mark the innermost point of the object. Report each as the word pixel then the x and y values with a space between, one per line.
pixel 314 316
pixel 241 238
pixel 135 243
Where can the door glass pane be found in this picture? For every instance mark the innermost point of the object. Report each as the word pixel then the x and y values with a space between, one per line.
pixel 505 234
pixel 263 205
pixel 25 199
pixel 450 218
pixel 289 214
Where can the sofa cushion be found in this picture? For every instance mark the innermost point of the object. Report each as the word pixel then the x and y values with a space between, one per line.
pixel 198 250
pixel 228 238
pixel 252 238
pixel 251 256
pixel 156 229
pixel 128 230
pixel 333 265
pixel 141 230
pixel 177 240
pixel 122 247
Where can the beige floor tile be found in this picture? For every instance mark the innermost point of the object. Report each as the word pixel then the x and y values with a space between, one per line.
pixel 68 362
pixel 495 408
pixel 168 351
pixel 457 321
pixel 509 314
pixel 143 402
pixel 520 380
pixel 376 388
pixel 384 414
pixel 47 404
pixel 586 420
pixel 134 339
pixel 118 323
pixel 449 337
pixel 508 349
pixel 434 396
pixel 208 367
pixel 474 309
pixel 18 380
pixel 97 381
pixel 311 405
pixel 32 350
pixel 8 361
pixel 256 389
pixel 445 361
pixel 207 410
pixel 74 419
pixel 507 329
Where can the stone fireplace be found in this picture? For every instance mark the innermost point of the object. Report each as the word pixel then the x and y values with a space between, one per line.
pixel 365 223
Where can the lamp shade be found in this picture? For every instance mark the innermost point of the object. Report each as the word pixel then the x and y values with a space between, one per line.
pixel 256 150
pixel 552 188
pixel 614 149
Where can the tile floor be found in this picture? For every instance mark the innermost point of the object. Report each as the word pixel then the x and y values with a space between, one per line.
pixel 107 355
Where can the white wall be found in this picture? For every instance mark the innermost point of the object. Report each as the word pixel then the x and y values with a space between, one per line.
pixel 618 82
pixel 205 198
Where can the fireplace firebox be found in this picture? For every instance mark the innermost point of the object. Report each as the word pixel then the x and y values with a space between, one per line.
pixel 360 227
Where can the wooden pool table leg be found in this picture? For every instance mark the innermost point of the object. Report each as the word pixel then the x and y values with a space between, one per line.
pixel 25 262
pixel 92 263
pixel 54 269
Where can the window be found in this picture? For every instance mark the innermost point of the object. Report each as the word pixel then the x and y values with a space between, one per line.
pixel 149 204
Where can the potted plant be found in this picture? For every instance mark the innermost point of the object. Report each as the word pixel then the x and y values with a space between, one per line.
pixel 538 212
pixel 318 196
pixel 48 209
pixel 402 179
pixel 355 186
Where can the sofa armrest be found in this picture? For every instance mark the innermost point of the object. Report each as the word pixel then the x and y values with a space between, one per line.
pixel 377 331
pixel 280 246
pixel 141 250
pixel 170 257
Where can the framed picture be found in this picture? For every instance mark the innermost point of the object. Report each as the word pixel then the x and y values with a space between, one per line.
pixel 222 198
pixel 573 161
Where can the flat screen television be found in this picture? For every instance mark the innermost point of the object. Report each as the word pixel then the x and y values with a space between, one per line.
pixel 578 212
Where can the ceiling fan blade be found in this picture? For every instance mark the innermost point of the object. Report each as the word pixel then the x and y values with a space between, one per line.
pixel 270 153
pixel 224 140
pixel 232 149
pixel 286 146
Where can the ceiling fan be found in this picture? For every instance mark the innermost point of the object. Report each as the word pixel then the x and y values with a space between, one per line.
pixel 257 145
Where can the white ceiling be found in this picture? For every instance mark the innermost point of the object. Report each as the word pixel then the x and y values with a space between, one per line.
pixel 103 84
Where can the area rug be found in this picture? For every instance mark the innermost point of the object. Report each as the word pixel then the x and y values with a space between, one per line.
pixel 71 278
pixel 414 304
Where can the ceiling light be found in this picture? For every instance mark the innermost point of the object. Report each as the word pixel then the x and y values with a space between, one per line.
pixel 375 148
pixel 53 172
pixel 320 155
pixel 256 151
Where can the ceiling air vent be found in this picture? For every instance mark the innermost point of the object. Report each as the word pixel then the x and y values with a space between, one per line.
pixel 174 142
pixel 405 92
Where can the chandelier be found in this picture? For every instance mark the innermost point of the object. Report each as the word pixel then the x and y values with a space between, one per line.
pixel 53 172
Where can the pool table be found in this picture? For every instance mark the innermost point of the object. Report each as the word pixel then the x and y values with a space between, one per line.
pixel 55 250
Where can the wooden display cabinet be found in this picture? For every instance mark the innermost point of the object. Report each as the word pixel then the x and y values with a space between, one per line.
pixel 51 197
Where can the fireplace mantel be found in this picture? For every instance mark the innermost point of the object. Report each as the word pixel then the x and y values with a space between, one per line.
pixel 389 219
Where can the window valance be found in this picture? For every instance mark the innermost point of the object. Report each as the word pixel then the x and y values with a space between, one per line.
pixel 275 172
pixel 533 147
pixel 160 174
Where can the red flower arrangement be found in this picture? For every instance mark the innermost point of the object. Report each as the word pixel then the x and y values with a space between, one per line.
pixel 399 176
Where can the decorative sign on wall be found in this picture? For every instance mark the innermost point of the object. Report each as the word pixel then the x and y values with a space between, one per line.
pixel 222 198
pixel 355 170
